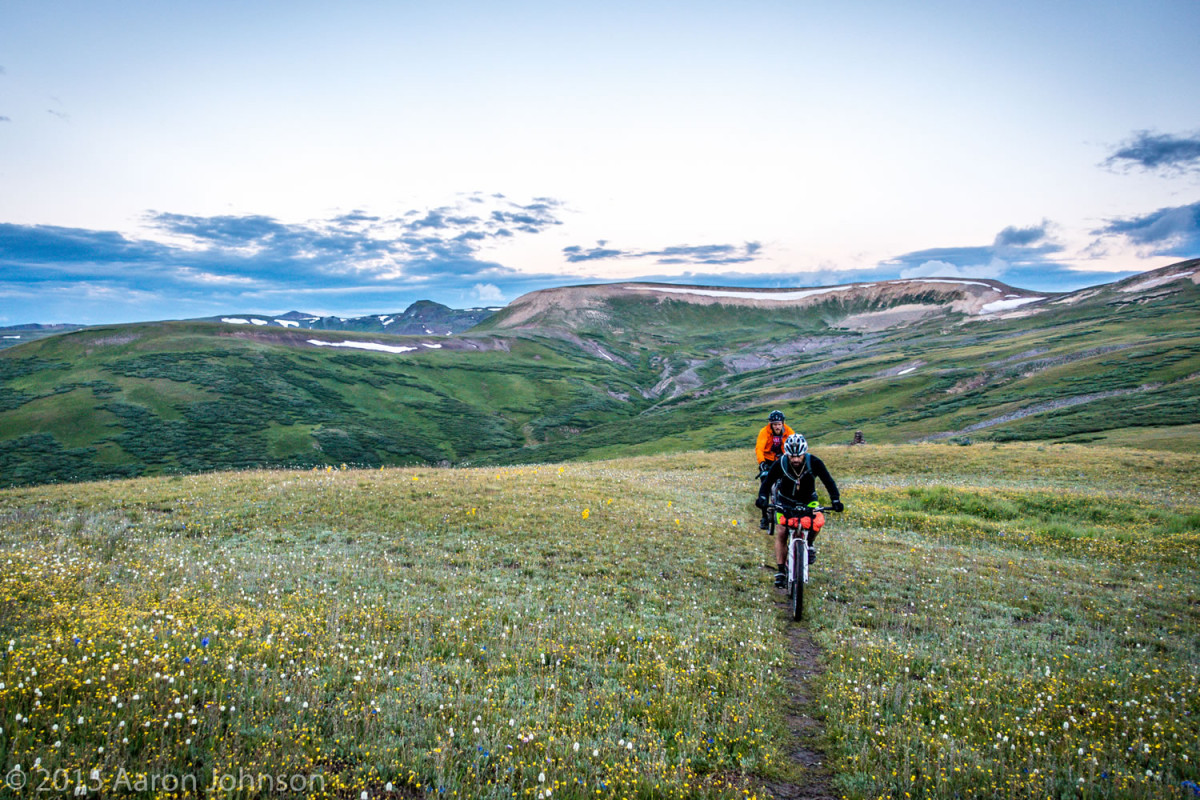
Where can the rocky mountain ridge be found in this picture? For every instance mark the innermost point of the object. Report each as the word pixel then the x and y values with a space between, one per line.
pixel 422 318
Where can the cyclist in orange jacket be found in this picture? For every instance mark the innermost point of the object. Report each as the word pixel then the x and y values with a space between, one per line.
pixel 768 449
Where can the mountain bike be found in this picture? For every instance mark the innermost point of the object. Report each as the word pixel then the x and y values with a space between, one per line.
pixel 797 552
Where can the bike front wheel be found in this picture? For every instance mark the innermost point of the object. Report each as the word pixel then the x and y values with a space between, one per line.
pixel 799 558
pixel 791 568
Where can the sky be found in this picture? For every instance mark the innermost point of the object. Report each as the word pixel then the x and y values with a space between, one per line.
pixel 178 160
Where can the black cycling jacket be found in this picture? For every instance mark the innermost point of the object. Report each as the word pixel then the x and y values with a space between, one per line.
pixel 802 490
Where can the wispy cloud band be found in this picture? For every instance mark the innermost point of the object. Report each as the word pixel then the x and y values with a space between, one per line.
pixel 713 254
pixel 205 262
pixel 1158 152
pixel 1171 231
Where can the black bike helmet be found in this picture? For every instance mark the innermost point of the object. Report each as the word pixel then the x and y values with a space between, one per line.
pixel 775 416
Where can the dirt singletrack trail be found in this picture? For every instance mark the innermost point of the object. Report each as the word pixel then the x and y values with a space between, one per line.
pixel 803 720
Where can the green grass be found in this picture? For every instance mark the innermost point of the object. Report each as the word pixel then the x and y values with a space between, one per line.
pixel 70 417
pixel 1176 439
pixel 290 441
pixel 164 397
pixel 1054 655
pixel 1001 620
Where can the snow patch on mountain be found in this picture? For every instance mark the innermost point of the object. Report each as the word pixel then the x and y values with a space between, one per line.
pixel 1007 304
pixel 747 295
pixel 384 348
pixel 944 280
pixel 1159 281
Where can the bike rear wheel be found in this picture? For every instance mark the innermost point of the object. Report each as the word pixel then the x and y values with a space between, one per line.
pixel 799 558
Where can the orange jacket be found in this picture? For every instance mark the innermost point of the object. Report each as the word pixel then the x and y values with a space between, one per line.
pixel 769 446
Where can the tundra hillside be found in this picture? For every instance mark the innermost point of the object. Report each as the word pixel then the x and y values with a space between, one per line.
pixel 999 620
pixel 609 371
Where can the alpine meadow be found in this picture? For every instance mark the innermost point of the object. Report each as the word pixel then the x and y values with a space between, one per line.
pixel 246 559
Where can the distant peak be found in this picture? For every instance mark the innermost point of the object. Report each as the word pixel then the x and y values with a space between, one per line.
pixel 425 305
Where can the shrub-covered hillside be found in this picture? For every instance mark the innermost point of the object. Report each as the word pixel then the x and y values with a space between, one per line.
pixel 620 372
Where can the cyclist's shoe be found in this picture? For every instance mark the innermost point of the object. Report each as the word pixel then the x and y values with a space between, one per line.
pixel 812 555
pixel 780 580
pixel 762 524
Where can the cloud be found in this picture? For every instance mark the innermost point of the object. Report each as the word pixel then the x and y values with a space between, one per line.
pixel 1014 251
pixel 1158 152
pixel 358 263
pixel 1022 256
pixel 576 254
pixel 714 254
pixel 442 240
pixel 958 262
pixel 224 231
pixel 1044 277
pixel 708 254
pixel 51 246
pixel 1021 237
pixel 187 274
pixel 1172 231
pixel 447 224
pixel 964 262
pixel 356 217
pixel 942 269
pixel 532 218
pixel 218 263
pixel 5 119
pixel 433 219
pixel 487 294
pixel 1025 257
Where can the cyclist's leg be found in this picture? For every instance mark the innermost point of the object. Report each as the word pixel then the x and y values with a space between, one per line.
pixel 818 522
pixel 780 539
pixel 765 514
pixel 780 550
pixel 812 526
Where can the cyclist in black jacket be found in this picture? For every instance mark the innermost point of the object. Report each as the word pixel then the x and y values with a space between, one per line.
pixel 791 486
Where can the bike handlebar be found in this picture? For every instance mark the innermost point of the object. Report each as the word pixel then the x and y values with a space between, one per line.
pixel 810 509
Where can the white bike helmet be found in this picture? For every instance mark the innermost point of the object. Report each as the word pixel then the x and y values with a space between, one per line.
pixel 794 446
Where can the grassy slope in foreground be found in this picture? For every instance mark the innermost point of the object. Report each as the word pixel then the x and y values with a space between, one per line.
pixel 1025 627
